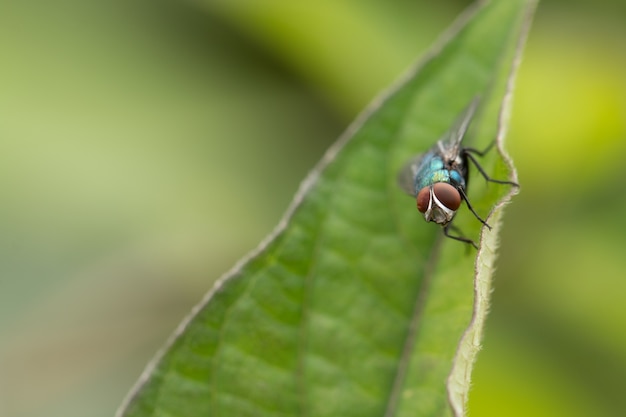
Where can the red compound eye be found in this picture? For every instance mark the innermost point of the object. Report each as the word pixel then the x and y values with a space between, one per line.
pixel 447 195
pixel 423 199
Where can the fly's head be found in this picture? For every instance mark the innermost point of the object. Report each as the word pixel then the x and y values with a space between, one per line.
pixel 439 202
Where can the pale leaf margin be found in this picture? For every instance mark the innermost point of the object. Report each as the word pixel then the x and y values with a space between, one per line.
pixel 459 380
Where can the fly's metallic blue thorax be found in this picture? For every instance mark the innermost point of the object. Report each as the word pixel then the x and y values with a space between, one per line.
pixel 434 167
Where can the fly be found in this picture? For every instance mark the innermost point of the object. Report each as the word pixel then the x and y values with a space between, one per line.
pixel 438 178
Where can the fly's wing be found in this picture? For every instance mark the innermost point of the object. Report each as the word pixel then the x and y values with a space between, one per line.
pixel 406 176
pixel 451 141
pixel 449 146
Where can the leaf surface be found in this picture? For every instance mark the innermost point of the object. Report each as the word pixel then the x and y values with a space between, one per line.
pixel 355 306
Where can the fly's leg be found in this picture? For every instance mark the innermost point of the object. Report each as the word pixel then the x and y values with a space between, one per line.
pixel 468 153
pixel 446 232
pixel 479 152
pixel 469 206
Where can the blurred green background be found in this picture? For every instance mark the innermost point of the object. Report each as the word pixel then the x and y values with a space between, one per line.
pixel 145 146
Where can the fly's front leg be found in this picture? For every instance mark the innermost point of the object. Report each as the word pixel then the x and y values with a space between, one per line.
pixel 446 232
pixel 469 206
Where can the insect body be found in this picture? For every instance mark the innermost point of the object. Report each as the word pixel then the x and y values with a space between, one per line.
pixel 438 178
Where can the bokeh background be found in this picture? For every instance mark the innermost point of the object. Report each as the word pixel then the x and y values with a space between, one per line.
pixel 145 146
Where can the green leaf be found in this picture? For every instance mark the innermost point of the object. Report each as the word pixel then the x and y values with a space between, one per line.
pixel 355 306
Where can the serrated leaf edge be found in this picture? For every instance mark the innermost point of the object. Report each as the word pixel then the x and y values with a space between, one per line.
pixel 459 380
